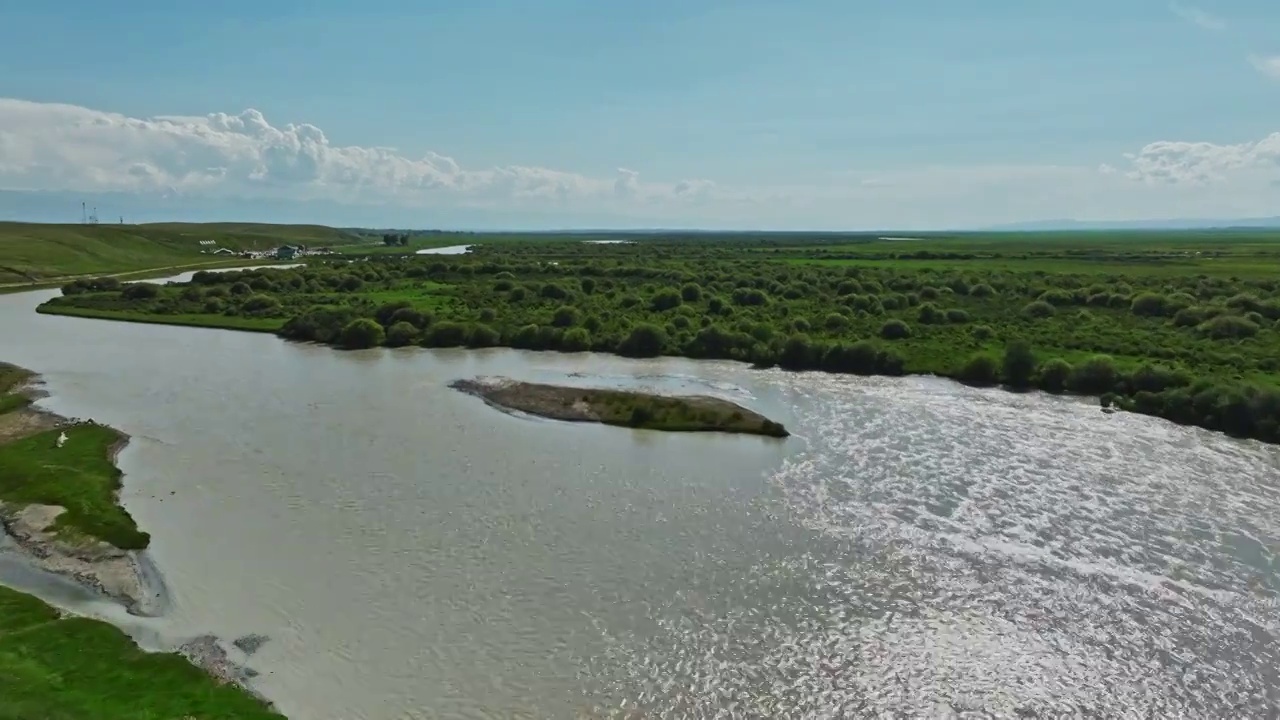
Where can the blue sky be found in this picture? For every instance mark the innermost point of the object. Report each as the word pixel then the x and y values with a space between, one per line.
pixel 808 113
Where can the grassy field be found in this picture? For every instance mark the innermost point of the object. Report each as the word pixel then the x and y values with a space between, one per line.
pixel 252 324
pixel 70 668
pixel 1181 325
pixel 37 253
pixel 79 476
pixel 11 376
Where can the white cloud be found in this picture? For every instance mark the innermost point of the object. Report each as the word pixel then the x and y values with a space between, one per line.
pixel 1267 65
pixel 53 147
pixel 1204 163
pixel 1198 17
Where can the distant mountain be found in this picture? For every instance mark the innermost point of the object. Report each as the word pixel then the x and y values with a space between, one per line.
pixel 1179 224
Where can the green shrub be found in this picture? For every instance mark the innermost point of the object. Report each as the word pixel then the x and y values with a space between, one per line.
pixel 664 300
pixel 1192 316
pixel 260 305
pixel 645 340
pixel 1038 309
pixel 929 314
pixel 895 330
pixel 401 334
pixel 1094 376
pixel 148 291
pixel 1149 305
pixel 1057 298
pixel 1019 364
pixel 576 340
pixel 413 316
pixel 445 334
pixel 482 336
pixel 1054 374
pixel 552 291
pixel 981 369
pixel 362 333
pixel 1228 327
pixel 565 316
pixel 386 314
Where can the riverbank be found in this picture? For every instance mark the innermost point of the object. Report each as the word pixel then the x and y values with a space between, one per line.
pixel 265 325
pixel 59 504
pixel 645 411
pixel 159 271
pixel 1126 322
pixel 59 497
pixel 53 665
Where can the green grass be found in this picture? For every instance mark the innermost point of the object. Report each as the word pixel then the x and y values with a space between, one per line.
pixel 12 402
pixel 223 322
pixel 37 253
pixel 71 668
pixel 79 476
pixel 427 296
pixel 11 376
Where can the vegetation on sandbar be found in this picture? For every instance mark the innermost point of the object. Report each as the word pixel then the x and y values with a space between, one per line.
pixel 1185 326
pixel 626 408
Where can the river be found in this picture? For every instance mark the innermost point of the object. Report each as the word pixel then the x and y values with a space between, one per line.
pixel 916 548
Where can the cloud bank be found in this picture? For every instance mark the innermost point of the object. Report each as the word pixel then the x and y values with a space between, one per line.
pixel 48 147
pixel 66 147
pixel 1267 65
pixel 1196 16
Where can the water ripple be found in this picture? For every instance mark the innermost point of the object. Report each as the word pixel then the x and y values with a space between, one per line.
pixel 985 554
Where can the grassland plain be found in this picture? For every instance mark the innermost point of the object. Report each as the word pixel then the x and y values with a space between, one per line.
pixel 59 667
pixel 1179 325
pixel 33 253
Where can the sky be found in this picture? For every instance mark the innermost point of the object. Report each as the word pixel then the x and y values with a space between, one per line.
pixel 717 114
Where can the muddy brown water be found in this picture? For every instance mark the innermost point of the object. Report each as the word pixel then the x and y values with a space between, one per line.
pixel 916 548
